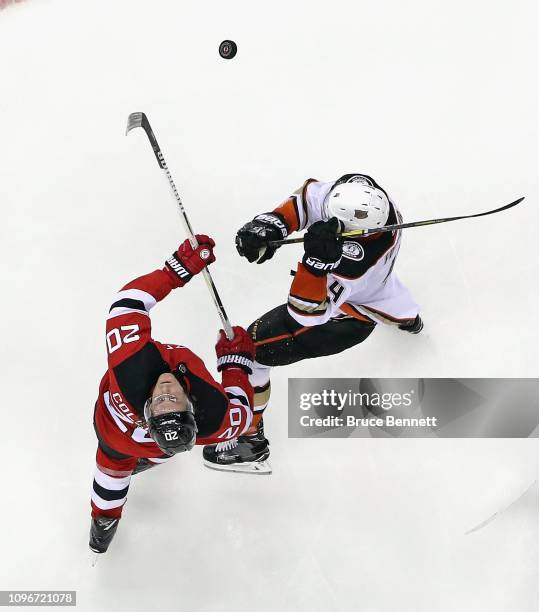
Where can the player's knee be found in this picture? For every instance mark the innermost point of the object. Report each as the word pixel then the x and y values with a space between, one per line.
pixel 260 376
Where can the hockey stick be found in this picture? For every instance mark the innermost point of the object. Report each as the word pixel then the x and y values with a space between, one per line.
pixel 391 228
pixel 136 120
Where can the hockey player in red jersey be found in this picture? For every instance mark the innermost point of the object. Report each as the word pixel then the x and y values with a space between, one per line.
pixel 342 289
pixel 157 400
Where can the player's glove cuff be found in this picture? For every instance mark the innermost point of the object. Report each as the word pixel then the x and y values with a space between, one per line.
pixel 180 273
pixel 318 267
pixel 235 361
pixel 275 221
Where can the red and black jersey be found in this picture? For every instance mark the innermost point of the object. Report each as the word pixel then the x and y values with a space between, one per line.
pixel 135 361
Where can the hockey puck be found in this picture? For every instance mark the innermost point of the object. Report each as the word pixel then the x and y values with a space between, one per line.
pixel 228 49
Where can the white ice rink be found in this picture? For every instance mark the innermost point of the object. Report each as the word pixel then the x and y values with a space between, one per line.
pixel 439 102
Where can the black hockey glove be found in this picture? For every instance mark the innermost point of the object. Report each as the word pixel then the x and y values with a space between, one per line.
pixel 323 249
pixel 252 240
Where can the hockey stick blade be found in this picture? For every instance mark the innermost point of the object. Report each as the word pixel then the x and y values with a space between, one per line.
pixel 398 226
pixel 136 120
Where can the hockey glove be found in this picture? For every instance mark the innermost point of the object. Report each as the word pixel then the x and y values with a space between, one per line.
pixel 236 353
pixel 252 240
pixel 323 248
pixel 186 261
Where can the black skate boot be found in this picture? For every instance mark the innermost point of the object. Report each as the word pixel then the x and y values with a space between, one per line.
pixel 101 533
pixel 414 327
pixel 246 454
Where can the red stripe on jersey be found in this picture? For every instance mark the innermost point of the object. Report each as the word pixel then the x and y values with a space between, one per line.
pixel 301 330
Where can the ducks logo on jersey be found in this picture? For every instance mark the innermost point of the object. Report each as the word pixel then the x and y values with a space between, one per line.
pixel 353 250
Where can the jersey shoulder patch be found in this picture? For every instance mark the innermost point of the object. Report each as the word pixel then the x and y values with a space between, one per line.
pixel 359 256
pixel 353 250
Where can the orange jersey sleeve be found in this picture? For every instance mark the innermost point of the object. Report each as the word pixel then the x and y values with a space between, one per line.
pixel 294 210
pixel 308 295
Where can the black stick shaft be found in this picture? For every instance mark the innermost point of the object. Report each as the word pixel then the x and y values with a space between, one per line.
pixel 392 228
pixel 140 120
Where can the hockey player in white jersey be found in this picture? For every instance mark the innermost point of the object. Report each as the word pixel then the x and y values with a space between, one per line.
pixel 342 289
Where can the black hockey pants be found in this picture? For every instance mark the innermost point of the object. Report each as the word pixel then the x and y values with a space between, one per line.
pixel 280 340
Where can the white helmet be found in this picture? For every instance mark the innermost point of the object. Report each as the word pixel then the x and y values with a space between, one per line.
pixel 358 205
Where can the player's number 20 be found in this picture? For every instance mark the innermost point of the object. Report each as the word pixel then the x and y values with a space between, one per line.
pixel 118 336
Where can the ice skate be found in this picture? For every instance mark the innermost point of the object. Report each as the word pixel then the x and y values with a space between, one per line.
pixel 101 533
pixel 414 327
pixel 247 454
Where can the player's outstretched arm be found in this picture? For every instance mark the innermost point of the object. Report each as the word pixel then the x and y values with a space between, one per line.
pixel 252 240
pixel 128 321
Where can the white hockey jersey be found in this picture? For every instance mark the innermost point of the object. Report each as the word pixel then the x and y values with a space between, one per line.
pixel 364 285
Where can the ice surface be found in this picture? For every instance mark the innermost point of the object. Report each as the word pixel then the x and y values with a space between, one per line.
pixel 438 102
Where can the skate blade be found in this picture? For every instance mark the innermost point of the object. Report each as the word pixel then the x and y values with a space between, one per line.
pixel 261 468
pixel 93 558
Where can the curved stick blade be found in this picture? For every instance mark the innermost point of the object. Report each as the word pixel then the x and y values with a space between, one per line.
pixel 134 121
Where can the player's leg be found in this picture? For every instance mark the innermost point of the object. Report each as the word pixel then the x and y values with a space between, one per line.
pixel 109 493
pixel 280 340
